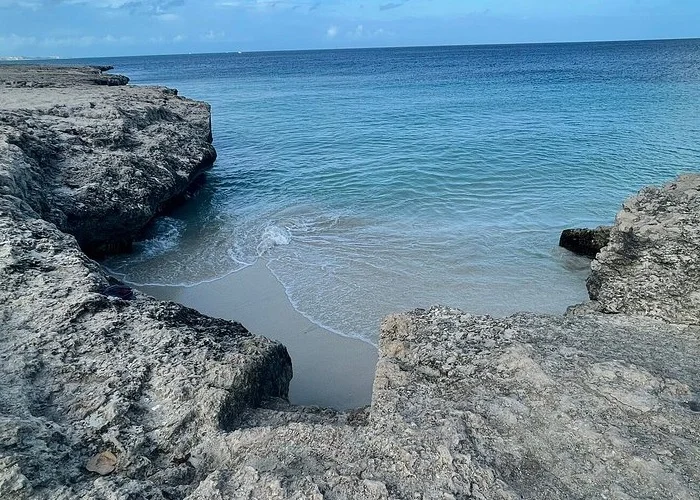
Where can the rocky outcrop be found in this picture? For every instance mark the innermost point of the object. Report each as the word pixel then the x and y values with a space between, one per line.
pixel 531 406
pixel 36 76
pixel 106 393
pixel 652 265
pixel 465 406
pixel 586 242
pixel 88 379
pixel 82 373
pixel 144 146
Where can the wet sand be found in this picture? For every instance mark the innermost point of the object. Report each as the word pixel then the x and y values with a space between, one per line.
pixel 329 370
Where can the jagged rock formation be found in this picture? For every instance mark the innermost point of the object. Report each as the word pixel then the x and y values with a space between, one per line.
pixel 466 406
pixel 652 265
pixel 102 397
pixel 586 242
pixel 35 76
pixel 96 160
pixel 83 373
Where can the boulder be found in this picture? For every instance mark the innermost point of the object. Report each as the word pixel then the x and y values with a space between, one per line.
pixel 586 242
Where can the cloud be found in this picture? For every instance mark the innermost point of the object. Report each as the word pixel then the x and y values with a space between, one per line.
pixel 392 5
pixel 332 32
pixel 212 35
pixel 141 6
pixel 14 40
pixel 167 17
pixel 85 41
pixel 67 41
pixel 360 32
pixel 158 7
pixel 161 40
pixel 25 4
pixel 270 5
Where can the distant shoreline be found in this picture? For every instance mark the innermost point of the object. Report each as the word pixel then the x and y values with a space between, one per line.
pixel 399 47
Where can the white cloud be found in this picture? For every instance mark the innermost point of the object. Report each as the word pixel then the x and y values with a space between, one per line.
pixel 148 6
pixel 25 4
pixel 85 41
pixel 360 32
pixel 13 41
pixel 332 32
pixel 161 40
pixel 212 35
pixel 167 17
pixel 269 5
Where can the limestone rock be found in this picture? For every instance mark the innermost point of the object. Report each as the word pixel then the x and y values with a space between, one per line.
pixel 37 76
pixel 81 373
pixel 144 146
pixel 170 404
pixel 652 265
pixel 529 406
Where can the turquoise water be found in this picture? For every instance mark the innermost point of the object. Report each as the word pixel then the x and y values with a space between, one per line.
pixel 376 181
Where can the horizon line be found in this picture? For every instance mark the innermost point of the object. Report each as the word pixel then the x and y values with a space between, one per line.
pixel 263 51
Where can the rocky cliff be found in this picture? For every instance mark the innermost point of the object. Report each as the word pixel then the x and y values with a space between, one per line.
pixel 86 164
pixel 651 267
pixel 102 397
pixel 95 157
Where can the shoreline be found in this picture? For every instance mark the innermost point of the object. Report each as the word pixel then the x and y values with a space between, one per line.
pixel 343 378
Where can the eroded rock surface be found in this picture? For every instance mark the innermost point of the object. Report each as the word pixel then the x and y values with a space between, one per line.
pixel 531 406
pixel 84 376
pixel 106 393
pixel 465 406
pixel 97 160
pixel 651 266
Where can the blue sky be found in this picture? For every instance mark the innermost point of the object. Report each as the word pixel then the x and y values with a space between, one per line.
pixel 83 28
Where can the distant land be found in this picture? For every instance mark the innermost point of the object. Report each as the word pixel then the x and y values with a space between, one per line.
pixel 23 58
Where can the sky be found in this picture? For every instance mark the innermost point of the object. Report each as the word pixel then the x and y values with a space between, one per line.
pixel 92 28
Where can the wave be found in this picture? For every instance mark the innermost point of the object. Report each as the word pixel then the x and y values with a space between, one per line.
pixel 271 237
pixel 164 235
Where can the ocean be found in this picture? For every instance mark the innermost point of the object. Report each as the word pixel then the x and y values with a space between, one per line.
pixel 381 180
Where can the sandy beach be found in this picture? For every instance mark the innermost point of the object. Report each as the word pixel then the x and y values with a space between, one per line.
pixel 329 370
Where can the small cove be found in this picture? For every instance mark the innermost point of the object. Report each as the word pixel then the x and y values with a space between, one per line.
pixel 354 184
pixel 329 370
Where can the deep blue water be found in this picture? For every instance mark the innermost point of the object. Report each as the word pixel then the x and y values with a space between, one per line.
pixel 375 181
